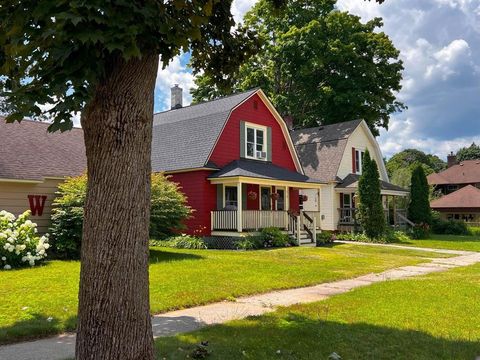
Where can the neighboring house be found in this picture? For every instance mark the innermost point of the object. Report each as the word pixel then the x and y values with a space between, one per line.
pixel 459 184
pixel 334 154
pixel 33 163
pixel 235 160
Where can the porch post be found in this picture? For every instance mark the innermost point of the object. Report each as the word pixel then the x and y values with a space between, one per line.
pixel 239 207
pixel 394 211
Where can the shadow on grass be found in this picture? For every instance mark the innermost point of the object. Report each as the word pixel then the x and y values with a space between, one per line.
pixel 36 326
pixel 157 256
pixel 293 336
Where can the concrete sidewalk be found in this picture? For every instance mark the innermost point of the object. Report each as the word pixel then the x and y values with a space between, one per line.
pixel 63 346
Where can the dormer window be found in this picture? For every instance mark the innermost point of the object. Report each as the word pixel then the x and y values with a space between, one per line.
pixel 256 147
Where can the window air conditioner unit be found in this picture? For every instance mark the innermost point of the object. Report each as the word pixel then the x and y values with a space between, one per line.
pixel 261 155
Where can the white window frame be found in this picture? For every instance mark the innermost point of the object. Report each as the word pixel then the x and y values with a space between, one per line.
pixel 361 154
pixel 265 147
pixel 260 197
pixel 225 193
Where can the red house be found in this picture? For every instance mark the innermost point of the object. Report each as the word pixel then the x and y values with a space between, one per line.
pixel 236 163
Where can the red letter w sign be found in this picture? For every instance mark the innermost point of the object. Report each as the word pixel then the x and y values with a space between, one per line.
pixel 37 203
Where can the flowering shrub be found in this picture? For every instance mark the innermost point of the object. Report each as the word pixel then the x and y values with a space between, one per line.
pixel 19 243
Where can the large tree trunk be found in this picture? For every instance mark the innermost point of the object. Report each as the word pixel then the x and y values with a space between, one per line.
pixel 114 309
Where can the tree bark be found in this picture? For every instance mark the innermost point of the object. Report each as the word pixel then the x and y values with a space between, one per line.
pixel 114 308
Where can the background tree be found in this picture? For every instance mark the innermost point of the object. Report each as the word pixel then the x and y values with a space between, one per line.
pixel 469 153
pixel 372 216
pixel 419 208
pixel 401 165
pixel 317 64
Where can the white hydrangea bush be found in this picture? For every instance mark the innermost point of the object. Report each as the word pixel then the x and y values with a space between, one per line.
pixel 20 245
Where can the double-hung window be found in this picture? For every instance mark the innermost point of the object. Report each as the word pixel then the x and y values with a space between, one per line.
pixel 358 161
pixel 256 143
pixel 231 199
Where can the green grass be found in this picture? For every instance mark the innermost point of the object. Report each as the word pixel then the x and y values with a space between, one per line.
pixel 451 242
pixel 43 300
pixel 436 316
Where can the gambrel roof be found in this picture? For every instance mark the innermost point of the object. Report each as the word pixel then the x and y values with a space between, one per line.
pixel 320 149
pixel 183 138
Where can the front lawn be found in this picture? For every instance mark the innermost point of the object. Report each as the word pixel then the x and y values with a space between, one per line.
pixel 436 316
pixel 43 300
pixel 451 242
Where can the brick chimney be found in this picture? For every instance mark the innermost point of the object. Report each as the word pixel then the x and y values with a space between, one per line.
pixel 176 97
pixel 451 160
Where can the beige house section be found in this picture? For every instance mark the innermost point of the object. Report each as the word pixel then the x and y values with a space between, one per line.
pixel 14 198
pixel 361 139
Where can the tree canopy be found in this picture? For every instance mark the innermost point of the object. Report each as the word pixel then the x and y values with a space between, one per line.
pixel 401 165
pixel 469 153
pixel 57 52
pixel 316 64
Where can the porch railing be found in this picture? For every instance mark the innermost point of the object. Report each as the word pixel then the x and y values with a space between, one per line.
pixel 349 216
pixel 259 219
pixel 225 220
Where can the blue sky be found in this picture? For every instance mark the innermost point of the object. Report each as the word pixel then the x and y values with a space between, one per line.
pixel 439 42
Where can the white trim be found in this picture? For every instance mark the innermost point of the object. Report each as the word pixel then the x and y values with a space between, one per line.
pixel 225 194
pixel 260 196
pixel 271 182
pixel 168 172
pixel 276 115
pixel 378 152
pixel 20 181
pixel 265 140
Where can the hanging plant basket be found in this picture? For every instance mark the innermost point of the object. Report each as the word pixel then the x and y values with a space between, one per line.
pixel 252 195
pixel 275 196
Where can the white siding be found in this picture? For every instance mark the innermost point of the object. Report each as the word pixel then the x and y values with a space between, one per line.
pixel 14 199
pixel 327 207
pixel 358 140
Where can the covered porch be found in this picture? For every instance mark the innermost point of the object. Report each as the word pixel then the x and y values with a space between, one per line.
pixel 394 200
pixel 248 203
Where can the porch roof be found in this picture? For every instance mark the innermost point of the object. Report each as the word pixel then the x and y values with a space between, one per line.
pixel 351 182
pixel 261 170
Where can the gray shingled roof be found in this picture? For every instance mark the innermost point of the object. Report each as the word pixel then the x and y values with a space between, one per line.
pixel 29 152
pixel 260 169
pixel 351 181
pixel 320 149
pixel 183 138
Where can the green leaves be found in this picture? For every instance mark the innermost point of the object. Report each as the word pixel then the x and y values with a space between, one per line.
pixel 317 64
pixel 58 51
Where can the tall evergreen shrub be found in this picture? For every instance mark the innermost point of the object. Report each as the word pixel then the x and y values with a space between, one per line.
pixel 419 208
pixel 372 217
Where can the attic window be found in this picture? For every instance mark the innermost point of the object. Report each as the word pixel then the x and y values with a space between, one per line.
pixel 256 142
pixel 358 161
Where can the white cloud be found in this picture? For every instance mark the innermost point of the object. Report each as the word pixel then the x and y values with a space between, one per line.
pixel 240 7
pixel 404 135
pixel 176 72
pixel 438 41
